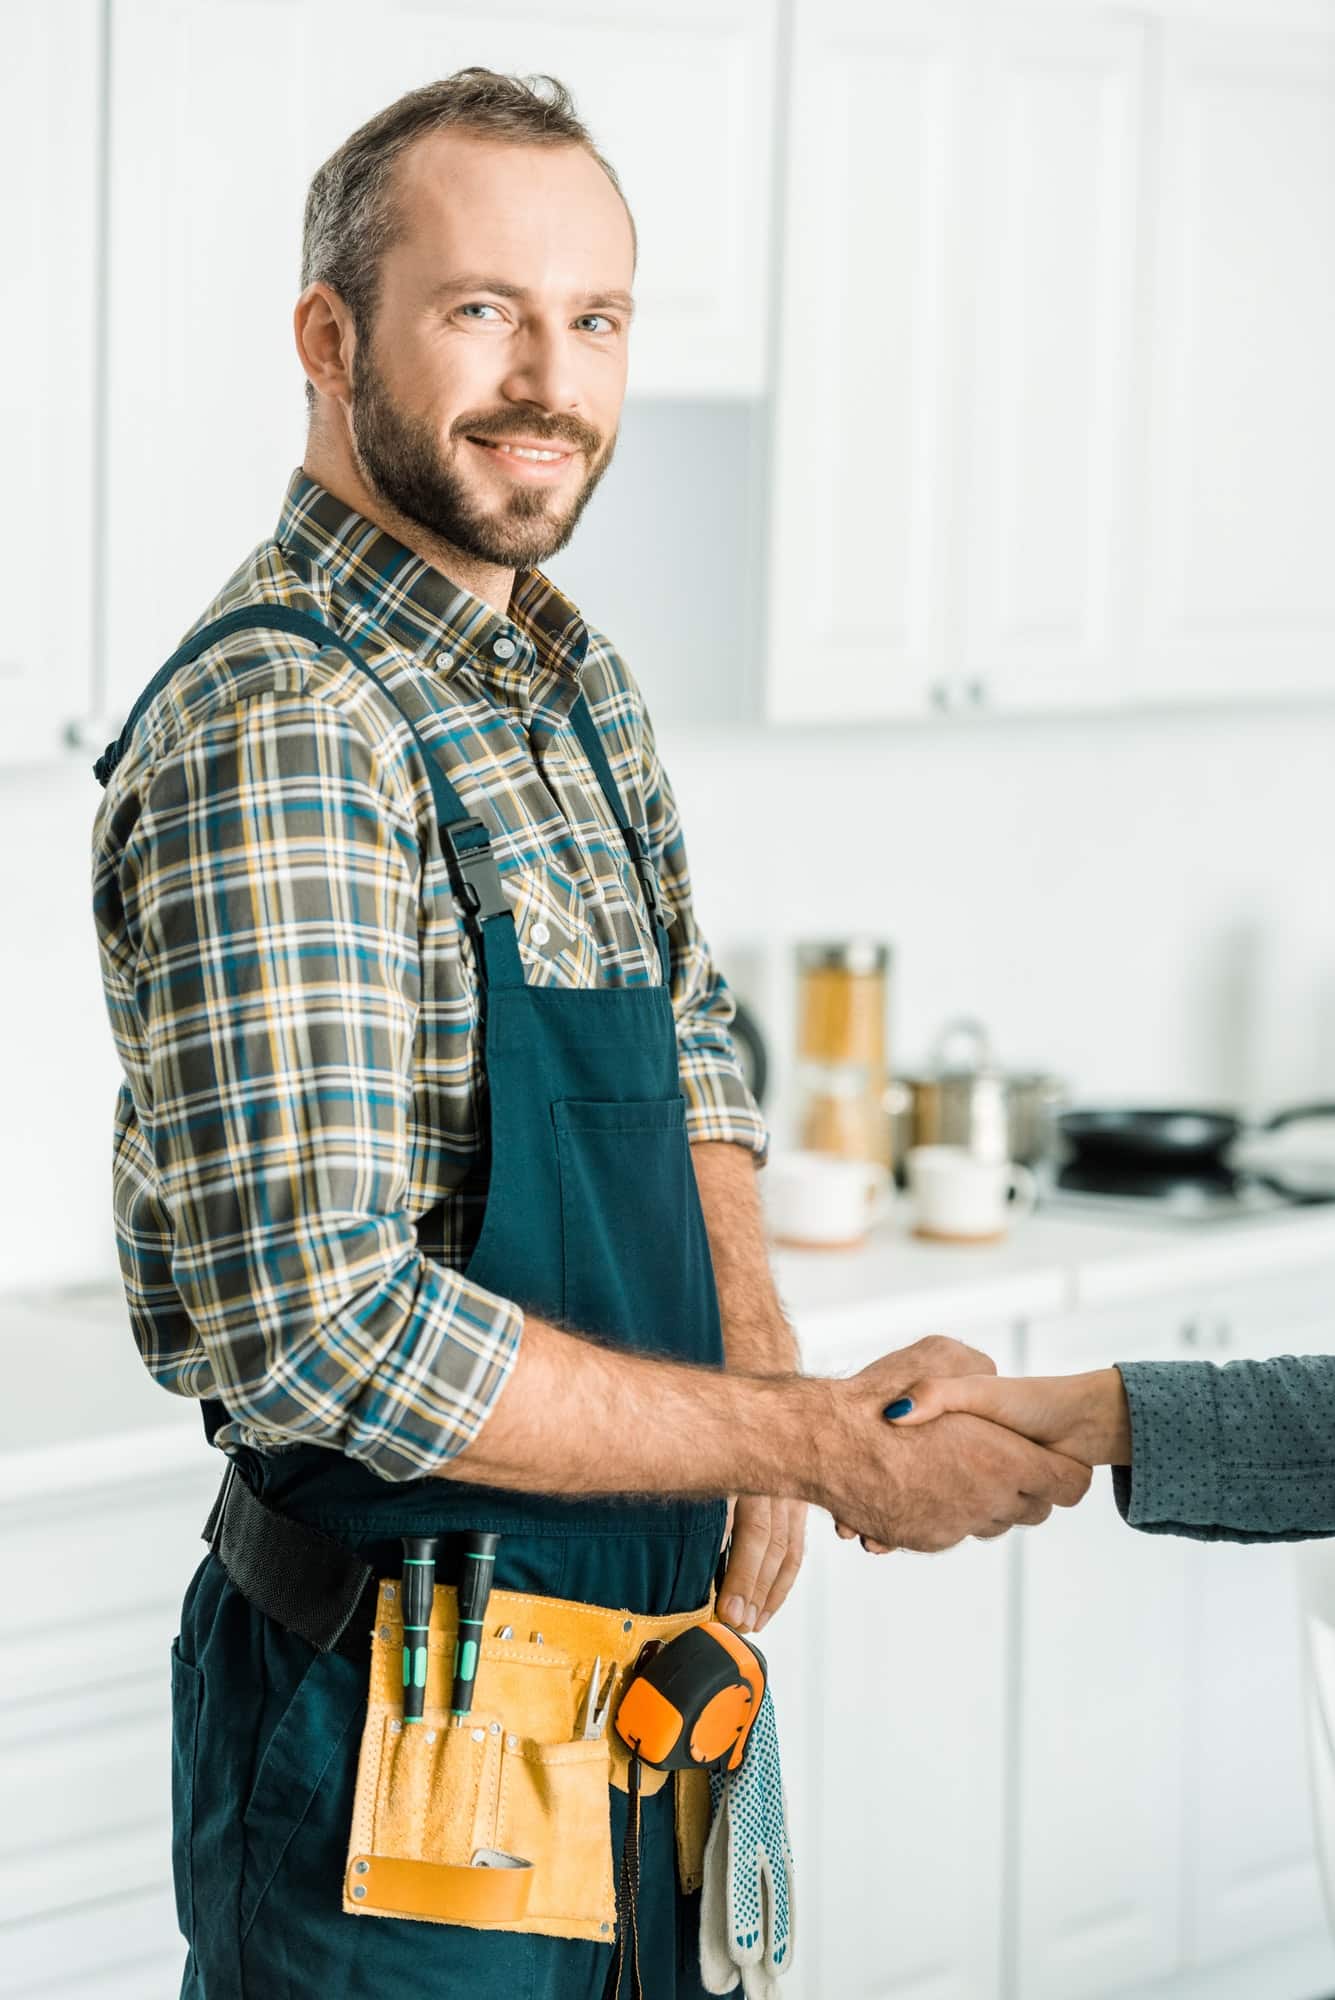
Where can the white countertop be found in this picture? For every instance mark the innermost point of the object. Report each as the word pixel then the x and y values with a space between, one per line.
pixel 896 1288
pixel 81 1411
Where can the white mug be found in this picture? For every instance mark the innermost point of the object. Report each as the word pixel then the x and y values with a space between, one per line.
pixel 817 1201
pixel 960 1198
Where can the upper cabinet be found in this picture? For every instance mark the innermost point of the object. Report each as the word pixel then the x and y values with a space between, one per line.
pixel 220 112
pixel 1055 414
pixel 1053 209
pixel 50 131
pixel 869 307
pixel 1241 488
pixel 216 126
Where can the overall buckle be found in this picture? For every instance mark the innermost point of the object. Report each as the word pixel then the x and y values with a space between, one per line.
pixel 480 890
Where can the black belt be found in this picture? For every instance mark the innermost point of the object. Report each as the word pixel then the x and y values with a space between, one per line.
pixel 305 1581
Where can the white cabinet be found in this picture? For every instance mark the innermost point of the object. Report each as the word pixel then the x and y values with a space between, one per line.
pixel 1241 487
pixel 1252 1874
pixel 1102 1707
pixel 867 314
pixel 216 126
pixel 891 1682
pixel 952 454
pixel 212 151
pixel 50 127
pixel 1055 415
pixel 1055 183
pixel 85 1734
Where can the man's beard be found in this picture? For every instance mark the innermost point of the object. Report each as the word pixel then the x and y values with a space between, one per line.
pixel 401 459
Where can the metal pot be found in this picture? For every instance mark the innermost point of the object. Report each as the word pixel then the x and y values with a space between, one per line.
pixel 967 1099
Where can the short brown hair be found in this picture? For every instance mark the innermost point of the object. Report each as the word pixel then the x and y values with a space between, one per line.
pixel 351 217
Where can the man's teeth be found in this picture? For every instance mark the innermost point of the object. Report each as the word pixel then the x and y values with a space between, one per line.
pixel 522 451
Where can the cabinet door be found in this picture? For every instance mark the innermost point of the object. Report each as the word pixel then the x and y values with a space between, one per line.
pixel 1056 180
pixel 890 1673
pixel 1102 1712
pixel 50 128
pixel 216 126
pixel 860 501
pixel 1253 1877
pixel 1241 586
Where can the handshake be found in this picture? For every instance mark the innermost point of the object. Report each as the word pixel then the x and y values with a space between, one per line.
pixel 971 1453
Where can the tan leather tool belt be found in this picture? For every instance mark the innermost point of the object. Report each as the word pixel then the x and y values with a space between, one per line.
pixel 503 1822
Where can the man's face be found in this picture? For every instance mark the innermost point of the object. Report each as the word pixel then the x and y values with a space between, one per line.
pixel 503 320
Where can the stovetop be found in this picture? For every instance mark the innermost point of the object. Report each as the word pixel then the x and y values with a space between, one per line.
pixel 1180 1196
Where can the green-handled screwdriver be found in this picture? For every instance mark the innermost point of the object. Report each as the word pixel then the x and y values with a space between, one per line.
pixel 419 1587
pixel 475 1574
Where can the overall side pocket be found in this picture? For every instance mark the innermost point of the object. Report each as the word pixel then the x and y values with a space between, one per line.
pixel 309 1735
pixel 186 1685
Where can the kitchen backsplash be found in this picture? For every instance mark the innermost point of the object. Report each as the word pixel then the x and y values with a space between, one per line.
pixel 1142 904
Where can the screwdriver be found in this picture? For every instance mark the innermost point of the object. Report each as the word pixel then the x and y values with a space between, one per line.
pixel 419 1587
pixel 476 1572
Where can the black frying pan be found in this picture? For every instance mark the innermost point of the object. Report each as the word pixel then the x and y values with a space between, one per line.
pixel 1187 1138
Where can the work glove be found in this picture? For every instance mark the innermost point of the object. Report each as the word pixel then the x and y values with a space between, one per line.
pixel 746 1900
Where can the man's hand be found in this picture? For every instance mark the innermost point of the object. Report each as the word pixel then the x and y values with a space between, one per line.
pixel 934 1356
pixel 768 1537
pixel 960 1475
pixel 1083 1416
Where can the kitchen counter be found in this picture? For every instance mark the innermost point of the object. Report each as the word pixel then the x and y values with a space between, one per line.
pixel 896 1289
pixel 81 1411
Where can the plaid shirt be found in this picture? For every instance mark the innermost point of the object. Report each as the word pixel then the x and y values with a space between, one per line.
pixel 294 1000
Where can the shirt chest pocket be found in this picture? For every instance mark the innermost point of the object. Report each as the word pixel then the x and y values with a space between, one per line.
pixel 557 946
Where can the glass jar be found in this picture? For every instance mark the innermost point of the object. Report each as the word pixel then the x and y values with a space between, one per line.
pixel 843 989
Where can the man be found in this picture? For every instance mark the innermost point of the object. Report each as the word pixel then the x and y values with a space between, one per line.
pixel 424 1054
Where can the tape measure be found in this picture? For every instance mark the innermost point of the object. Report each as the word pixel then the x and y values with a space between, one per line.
pixel 693 1701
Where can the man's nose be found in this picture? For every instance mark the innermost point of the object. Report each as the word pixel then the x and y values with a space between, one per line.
pixel 543 371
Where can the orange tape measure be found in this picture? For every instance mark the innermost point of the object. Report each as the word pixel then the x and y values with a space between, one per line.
pixel 693 1701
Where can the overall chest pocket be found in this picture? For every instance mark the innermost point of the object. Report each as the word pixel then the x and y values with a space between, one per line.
pixel 635 1259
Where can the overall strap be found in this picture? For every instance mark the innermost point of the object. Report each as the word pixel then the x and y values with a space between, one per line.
pixel 636 845
pixel 465 842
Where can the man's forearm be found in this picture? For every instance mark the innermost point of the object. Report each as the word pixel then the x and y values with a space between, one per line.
pixel 756 1335
pixel 576 1417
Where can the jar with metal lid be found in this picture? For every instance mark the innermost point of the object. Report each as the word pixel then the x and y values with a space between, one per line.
pixel 843 989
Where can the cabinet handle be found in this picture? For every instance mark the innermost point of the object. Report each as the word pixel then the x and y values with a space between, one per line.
pixel 977 693
pixel 941 695
pixel 1191 1334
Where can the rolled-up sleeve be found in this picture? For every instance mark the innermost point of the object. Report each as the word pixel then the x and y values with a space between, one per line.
pixel 270 886
pixel 718 1103
pixel 1244 1453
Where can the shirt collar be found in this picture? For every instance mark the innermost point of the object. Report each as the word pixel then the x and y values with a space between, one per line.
pixel 422 609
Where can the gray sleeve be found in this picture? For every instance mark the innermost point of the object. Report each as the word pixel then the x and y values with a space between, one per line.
pixel 1244 1453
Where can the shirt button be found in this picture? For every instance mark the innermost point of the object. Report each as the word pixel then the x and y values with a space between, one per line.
pixel 540 934
pixel 503 648
pixel 444 659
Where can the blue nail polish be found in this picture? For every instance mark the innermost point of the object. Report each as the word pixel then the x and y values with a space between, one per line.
pixel 899 1409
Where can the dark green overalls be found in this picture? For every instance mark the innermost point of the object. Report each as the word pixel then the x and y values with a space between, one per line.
pixel 592 1217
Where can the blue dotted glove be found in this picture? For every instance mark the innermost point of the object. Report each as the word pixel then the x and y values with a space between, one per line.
pixel 746 1902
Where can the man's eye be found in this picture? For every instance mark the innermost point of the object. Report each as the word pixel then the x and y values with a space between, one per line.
pixel 585 318
pixel 478 306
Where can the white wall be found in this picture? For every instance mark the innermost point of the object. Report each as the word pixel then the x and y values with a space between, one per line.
pixel 1142 904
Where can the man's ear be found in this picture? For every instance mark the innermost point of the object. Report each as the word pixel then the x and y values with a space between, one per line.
pixel 326 341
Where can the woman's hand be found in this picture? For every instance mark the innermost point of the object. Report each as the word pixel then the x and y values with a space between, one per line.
pixel 1081 1416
